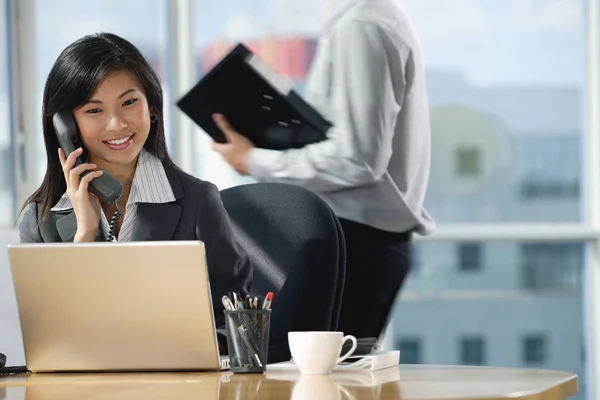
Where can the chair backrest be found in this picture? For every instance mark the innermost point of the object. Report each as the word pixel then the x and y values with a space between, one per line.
pixel 298 251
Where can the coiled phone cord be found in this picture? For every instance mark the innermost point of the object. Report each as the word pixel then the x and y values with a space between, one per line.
pixel 10 370
pixel 113 224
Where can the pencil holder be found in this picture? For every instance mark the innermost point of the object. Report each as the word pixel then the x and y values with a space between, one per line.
pixel 248 339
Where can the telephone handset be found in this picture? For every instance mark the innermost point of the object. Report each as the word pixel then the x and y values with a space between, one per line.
pixel 105 187
pixel 4 370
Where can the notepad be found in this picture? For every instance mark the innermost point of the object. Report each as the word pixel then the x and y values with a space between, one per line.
pixel 349 377
pixel 258 103
pixel 365 378
pixel 372 362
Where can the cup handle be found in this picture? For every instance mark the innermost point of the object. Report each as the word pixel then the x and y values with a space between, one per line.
pixel 349 352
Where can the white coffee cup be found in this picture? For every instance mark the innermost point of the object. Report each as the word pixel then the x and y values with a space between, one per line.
pixel 318 352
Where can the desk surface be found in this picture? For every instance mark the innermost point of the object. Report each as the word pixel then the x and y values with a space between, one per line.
pixel 414 382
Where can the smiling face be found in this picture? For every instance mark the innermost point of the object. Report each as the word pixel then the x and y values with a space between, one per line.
pixel 115 122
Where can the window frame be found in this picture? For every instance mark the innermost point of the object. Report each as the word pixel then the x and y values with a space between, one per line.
pixel 466 345
pixel 467 162
pixel 535 339
pixel 468 252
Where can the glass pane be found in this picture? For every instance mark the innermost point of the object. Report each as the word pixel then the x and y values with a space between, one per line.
pixel 507 118
pixel 282 33
pixel 472 350
pixel 7 216
pixel 142 22
pixel 507 124
pixel 410 348
pixel 522 306
pixel 534 350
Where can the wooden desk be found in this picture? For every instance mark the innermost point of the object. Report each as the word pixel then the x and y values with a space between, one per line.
pixel 407 382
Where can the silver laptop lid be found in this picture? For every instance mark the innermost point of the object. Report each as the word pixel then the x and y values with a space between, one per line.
pixel 115 306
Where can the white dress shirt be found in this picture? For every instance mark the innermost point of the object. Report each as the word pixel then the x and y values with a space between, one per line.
pixel 150 185
pixel 368 79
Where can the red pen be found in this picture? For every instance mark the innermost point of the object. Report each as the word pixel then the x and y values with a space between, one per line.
pixel 268 300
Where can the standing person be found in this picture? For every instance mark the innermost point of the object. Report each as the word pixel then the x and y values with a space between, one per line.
pixel 368 79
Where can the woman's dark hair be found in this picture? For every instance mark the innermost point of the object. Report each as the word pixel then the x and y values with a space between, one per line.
pixel 71 83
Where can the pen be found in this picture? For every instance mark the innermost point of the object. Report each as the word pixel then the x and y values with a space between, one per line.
pixel 242 330
pixel 268 300
pixel 238 302
pixel 227 303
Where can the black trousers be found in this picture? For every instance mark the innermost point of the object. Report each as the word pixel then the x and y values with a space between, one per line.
pixel 376 264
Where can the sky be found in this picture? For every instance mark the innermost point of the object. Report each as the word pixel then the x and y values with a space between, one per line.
pixel 489 42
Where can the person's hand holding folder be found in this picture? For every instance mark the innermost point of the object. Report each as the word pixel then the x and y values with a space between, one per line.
pixel 236 150
pixel 257 103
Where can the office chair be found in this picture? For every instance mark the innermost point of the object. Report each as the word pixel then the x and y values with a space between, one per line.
pixel 298 251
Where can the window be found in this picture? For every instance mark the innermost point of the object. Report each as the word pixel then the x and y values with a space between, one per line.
pixel 410 350
pixel 550 167
pixel 467 162
pixel 469 257
pixel 549 190
pixel 500 116
pixel 484 317
pixel 506 135
pixel 489 113
pixel 472 351
pixel 551 266
pixel 534 350
pixel 6 160
pixel 508 116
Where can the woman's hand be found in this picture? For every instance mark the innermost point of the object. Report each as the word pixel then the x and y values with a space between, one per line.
pixel 85 205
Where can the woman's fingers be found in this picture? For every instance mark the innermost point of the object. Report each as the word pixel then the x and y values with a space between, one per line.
pixel 85 181
pixel 61 156
pixel 69 162
pixel 80 169
pixel 75 174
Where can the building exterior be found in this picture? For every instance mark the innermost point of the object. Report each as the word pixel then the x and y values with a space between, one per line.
pixel 499 155
pixel 289 57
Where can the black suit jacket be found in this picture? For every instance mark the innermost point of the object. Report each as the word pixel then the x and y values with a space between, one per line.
pixel 197 214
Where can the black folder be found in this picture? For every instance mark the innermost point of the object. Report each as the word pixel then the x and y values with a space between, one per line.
pixel 256 101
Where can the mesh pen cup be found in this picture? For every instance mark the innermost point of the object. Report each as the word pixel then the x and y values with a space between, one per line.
pixel 248 339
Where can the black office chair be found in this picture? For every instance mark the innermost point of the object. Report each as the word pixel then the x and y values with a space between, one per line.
pixel 298 251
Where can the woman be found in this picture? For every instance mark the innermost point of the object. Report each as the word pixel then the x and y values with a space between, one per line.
pixel 116 100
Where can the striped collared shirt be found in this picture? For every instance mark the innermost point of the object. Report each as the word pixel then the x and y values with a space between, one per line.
pixel 150 185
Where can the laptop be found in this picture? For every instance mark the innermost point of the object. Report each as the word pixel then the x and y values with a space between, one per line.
pixel 130 306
